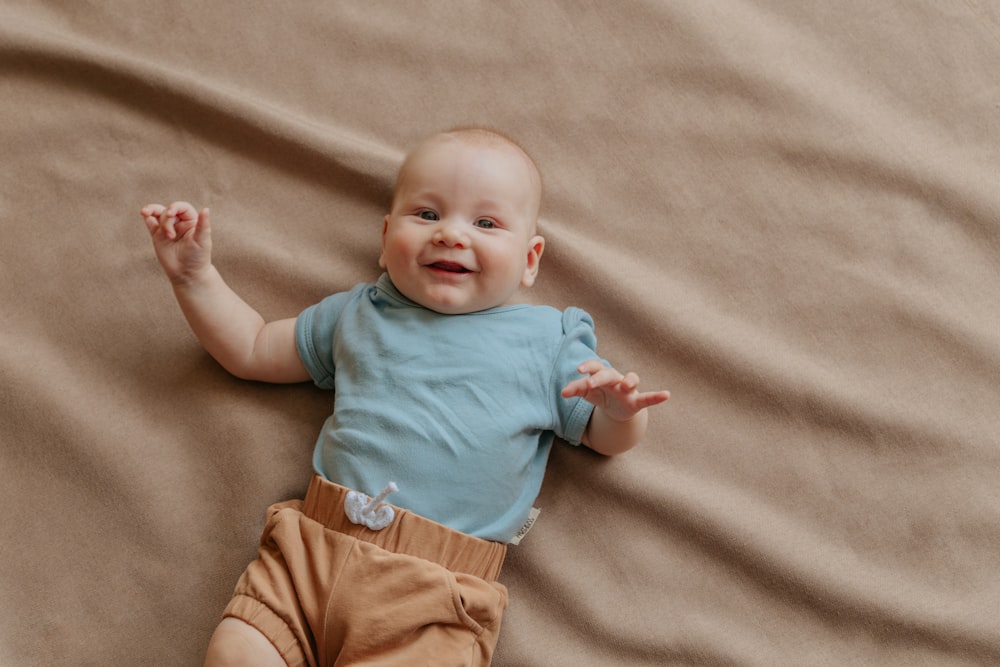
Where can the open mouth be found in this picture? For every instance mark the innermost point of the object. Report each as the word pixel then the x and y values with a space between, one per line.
pixel 448 267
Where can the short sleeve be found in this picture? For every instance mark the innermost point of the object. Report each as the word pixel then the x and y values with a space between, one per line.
pixel 579 344
pixel 314 333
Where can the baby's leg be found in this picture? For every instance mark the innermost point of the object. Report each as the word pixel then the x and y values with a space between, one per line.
pixel 237 643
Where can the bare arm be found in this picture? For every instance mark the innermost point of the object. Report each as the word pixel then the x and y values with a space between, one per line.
pixel 229 329
pixel 620 417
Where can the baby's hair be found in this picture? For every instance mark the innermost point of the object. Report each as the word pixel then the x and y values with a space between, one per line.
pixel 485 136
pixel 480 136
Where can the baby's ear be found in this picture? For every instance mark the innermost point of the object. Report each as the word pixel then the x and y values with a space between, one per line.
pixel 385 228
pixel 535 249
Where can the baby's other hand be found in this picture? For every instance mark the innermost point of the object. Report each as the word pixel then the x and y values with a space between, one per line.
pixel 181 237
pixel 173 221
pixel 617 394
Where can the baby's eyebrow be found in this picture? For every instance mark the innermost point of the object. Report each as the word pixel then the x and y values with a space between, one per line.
pixel 423 196
pixel 492 206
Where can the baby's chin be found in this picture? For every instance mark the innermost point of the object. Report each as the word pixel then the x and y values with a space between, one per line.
pixel 457 299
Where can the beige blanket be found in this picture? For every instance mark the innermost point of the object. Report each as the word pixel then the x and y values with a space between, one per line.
pixel 786 213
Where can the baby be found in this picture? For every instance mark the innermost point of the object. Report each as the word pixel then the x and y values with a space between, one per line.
pixel 448 395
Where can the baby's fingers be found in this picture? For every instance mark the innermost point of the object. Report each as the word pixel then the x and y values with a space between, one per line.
pixel 151 216
pixel 576 388
pixel 600 374
pixel 152 210
pixel 651 398
pixel 171 217
pixel 174 220
pixel 591 367
pixel 629 383
pixel 606 377
pixel 182 210
pixel 630 386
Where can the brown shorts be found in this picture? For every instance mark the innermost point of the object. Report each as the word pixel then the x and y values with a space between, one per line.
pixel 326 590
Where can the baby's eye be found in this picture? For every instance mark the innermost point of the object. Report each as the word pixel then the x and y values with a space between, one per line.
pixel 428 215
pixel 485 223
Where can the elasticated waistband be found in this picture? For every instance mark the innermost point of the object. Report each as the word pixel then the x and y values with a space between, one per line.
pixel 409 534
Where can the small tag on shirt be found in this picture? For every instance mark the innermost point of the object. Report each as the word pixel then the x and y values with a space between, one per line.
pixel 532 515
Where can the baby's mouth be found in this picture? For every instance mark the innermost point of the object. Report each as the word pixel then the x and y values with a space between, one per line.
pixel 449 267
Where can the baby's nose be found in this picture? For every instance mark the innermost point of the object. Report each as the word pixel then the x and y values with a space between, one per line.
pixel 451 234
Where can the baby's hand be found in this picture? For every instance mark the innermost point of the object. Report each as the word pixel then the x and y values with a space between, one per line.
pixel 181 237
pixel 618 395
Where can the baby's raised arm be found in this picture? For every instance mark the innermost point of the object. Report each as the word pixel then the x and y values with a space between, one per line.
pixel 229 329
pixel 619 418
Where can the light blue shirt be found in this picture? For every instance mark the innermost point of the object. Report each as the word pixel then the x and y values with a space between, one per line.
pixel 459 410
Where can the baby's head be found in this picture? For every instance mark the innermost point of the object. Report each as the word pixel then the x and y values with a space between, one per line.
pixel 461 234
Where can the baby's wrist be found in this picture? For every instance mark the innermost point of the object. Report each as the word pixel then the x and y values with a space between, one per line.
pixel 620 418
pixel 192 279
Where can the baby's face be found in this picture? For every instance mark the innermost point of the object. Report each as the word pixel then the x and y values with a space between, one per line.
pixel 461 234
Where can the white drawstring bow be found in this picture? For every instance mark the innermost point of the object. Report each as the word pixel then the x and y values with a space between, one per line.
pixel 370 512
